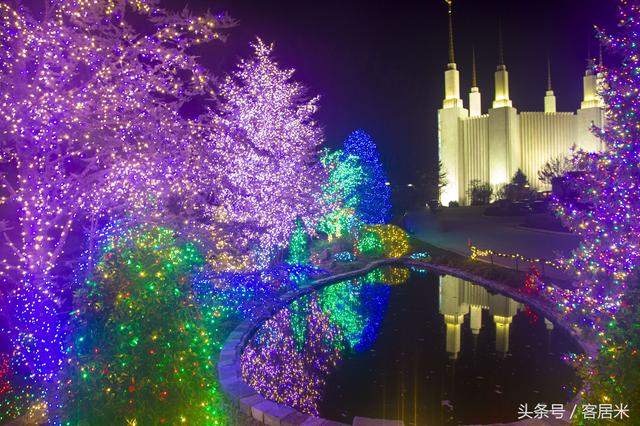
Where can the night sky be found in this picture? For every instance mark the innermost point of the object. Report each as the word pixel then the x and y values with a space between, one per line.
pixel 380 65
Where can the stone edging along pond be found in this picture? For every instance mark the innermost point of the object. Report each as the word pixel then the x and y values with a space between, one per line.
pixel 272 414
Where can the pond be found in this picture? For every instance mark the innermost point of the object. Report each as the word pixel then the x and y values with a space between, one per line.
pixel 413 346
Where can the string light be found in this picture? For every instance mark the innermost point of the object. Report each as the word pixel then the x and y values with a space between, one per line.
pixel 90 126
pixel 395 275
pixel 356 187
pixel 477 253
pixel 273 174
pixel 356 309
pixel 94 130
pixel 299 246
pixel 140 347
pixel 273 365
pixel 341 191
pixel 373 204
pixel 606 217
pixel 290 357
pixel 382 240
pixel 344 256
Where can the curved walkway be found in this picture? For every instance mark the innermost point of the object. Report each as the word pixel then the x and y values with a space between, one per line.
pixel 453 228
pixel 270 413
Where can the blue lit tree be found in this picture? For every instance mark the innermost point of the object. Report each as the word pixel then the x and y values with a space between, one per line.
pixel 374 196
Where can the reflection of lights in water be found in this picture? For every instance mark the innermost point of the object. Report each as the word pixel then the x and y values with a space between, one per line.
pixel 459 298
pixel 356 309
pixel 396 275
pixel 273 365
pixel 292 355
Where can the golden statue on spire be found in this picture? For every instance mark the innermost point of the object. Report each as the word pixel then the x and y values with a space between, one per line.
pixel 450 4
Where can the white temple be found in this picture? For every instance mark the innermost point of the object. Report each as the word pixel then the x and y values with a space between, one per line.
pixel 492 146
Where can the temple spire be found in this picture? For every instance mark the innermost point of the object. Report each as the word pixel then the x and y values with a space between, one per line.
pixel 452 56
pixel 501 76
pixel 475 101
pixel 600 56
pixel 500 45
pixel 474 73
pixel 549 87
pixel 451 74
pixel 549 98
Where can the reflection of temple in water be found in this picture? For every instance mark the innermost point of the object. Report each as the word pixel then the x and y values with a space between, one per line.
pixel 459 298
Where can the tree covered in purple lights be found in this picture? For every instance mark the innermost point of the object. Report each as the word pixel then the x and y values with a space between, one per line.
pixel 607 259
pixel 90 126
pixel 93 130
pixel 289 362
pixel 609 227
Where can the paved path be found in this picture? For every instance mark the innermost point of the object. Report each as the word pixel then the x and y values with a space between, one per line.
pixel 452 229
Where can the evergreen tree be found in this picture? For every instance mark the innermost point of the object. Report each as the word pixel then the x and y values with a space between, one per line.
pixel 519 179
pixel 273 173
pixel 299 245
pixel 607 258
pixel 139 350
pixel 609 228
pixel 516 190
pixel 374 202
pixel 430 183
pixel 345 176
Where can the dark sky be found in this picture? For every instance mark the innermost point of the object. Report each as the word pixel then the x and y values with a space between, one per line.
pixel 379 65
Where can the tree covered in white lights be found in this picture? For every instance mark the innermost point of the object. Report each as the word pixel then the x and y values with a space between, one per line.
pixel 273 177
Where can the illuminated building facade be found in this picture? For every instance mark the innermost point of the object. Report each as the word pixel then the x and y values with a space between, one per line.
pixel 492 146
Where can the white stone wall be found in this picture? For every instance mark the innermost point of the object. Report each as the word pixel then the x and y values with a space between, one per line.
pixel 504 144
pixel 584 119
pixel 449 140
pixel 475 152
pixel 545 136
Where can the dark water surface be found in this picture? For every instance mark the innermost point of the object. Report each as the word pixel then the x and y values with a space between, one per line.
pixel 428 350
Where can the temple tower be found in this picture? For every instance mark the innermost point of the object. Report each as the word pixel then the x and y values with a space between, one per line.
pixel 475 99
pixel 504 127
pixel 549 98
pixel 448 118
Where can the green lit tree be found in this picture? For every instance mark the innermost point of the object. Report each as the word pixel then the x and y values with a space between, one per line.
pixel 345 175
pixel 139 352
pixel 299 245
